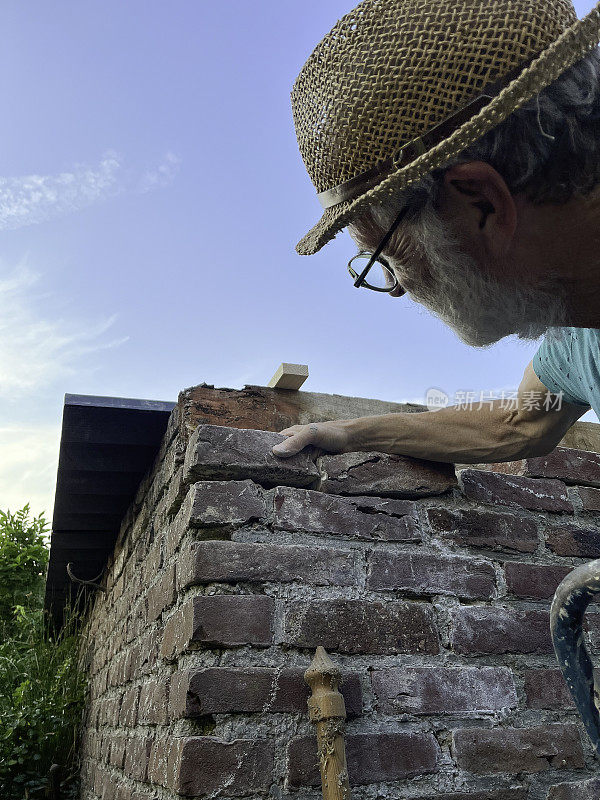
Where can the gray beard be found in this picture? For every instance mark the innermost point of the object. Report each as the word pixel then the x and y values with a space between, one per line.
pixel 476 306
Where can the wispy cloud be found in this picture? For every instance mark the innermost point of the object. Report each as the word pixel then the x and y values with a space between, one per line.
pixel 161 175
pixel 30 199
pixel 37 350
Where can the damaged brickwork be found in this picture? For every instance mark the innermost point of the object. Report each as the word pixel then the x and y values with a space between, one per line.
pixel 429 587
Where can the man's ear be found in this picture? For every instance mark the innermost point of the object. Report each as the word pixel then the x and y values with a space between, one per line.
pixel 481 205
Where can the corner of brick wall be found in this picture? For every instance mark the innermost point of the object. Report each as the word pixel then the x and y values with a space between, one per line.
pixel 430 592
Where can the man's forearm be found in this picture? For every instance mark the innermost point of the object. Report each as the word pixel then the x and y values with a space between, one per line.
pixel 452 434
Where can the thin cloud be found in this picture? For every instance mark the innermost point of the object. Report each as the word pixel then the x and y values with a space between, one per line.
pixel 162 175
pixel 35 349
pixel 31 199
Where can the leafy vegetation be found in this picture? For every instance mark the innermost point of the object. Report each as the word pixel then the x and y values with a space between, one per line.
pixel 41 685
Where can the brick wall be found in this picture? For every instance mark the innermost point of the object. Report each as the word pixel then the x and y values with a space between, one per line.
pixel 430 592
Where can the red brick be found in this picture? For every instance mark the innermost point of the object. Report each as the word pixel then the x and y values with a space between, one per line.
pixel 590 498
pixel 485 529
pixel 482 629
pixel 206 765
pixel 371 758
pixel 230 562
pixel 232 690
pixel 516 491
pixel 217 504
pixel 515 750
pixel 582 790
pixel 217 453
pixel 440 690
pixel 302 510
pixel 426 573
pixel 546 688
pixel 358 626
pixel 571 466
pixel 384 475
pixel 220 620
pixel 534 580
pixel 569 540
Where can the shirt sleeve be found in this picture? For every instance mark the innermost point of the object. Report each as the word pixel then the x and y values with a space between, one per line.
pixel 553 366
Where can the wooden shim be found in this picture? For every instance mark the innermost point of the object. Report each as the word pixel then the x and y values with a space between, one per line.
pixel 289 376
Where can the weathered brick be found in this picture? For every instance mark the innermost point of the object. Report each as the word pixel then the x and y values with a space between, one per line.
pixel 108 788
pixel 165 755
pixel 220 620
pixel 216 453
pixel 538 581
pixel 499 794
pixel 440 690
pixel 514 750
pixel 582 790
pixel 225 504
pixel 371 758
pixel 117 751
pixel 426 573
pixel 240 767
pixel 137 758
pixel 149 651
pixel 229 562
pixel 482 629
pixel 231 690
pixel 569 540
pixel 110 708
pixel 162 594
pixel 358 626
pixel 546 688
pixel 384 475
pixel 302 510
pixel 129 707
pixel 153 708
pixel 590 498
pixel 535 494
pixel 571 466
pixel 485 529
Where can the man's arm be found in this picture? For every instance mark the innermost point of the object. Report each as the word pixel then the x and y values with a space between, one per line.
pixel 465 436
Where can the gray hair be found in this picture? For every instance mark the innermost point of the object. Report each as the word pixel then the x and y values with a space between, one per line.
pixel 549 149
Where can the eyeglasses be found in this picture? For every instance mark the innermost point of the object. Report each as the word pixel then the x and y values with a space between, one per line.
pixel 385 280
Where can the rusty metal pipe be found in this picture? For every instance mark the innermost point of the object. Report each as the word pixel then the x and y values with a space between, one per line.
pixel 328 712
pixel 569 605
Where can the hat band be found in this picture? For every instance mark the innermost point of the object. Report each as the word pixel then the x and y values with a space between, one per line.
pixel 355 187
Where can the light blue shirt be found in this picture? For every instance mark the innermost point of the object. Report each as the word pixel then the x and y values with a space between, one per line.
pixel 568 361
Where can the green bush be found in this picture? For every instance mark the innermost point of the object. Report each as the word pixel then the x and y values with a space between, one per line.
pixel 42 687
pixel 23 562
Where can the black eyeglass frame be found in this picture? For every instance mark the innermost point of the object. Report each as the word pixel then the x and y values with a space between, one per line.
pixel 360 280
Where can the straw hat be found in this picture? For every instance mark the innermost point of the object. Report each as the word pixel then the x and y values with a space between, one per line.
pixel 399 87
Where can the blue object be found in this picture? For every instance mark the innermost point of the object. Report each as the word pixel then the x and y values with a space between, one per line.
pixel 568 361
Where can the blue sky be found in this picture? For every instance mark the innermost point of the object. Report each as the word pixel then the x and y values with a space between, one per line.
pixel 151 193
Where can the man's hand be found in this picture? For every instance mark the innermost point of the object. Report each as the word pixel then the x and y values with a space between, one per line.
pixel 331 437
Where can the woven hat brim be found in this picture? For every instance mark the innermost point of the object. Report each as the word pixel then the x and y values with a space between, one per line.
pixel 567 50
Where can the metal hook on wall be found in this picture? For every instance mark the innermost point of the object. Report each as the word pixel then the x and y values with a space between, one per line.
pixel 93 582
